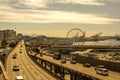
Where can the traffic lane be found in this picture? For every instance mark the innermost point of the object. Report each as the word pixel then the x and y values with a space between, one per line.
pixel 25 70
pixel 37 70
pixel 113 77
pixel 89 71
pixel 92 72
pixel 30 68
pixel 69 65
pixel 34 73
pixel 15 62
pixel 10 63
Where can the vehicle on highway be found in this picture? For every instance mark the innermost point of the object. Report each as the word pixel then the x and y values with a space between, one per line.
pixel 19 78
pixel 20 51
pixel 72 58
pixel 73 61
pixel 99 66
pixel 57 56
pixel 14 56
pixel 15 68
pixel 102 71
pixel 86 65
pixel 63 60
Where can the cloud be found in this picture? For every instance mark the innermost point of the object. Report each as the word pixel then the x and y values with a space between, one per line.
pixel 22 4
pixel 45 16
pixel 85 2
pixel 44 3
pixel 111 0
pixel 34 3
pixel 10 14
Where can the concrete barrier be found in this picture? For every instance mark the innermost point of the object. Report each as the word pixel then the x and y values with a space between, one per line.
pixel 4 71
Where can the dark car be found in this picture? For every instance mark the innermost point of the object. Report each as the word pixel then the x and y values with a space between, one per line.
pixel 20 51
pixel 15 68
pixel 63 60
pixel 14 56
pixel 73 62
pixel 86 65
pixel 57 56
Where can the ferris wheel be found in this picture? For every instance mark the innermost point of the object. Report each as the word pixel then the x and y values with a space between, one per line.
pixel 75 35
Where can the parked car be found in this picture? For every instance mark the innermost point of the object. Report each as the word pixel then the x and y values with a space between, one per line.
pixel 86 65
pixel 19 78
pixel 102 71
pixel 15 68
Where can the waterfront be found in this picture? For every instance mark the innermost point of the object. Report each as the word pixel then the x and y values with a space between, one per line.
pixel 105 42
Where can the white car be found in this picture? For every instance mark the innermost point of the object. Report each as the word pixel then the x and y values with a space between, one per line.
pixel 102 71
pixel 19 78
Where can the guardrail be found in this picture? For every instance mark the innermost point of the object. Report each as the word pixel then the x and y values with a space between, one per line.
pixel 4 71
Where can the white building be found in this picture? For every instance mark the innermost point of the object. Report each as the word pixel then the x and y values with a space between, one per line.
pixel 7 34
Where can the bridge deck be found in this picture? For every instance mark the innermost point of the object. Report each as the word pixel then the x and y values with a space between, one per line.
pixel 79 67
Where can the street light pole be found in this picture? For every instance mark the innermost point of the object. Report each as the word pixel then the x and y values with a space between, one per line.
pixel 62 69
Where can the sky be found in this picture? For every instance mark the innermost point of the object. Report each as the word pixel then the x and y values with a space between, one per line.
pixel 56 17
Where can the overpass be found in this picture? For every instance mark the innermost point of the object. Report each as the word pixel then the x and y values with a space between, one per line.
pixel 77 71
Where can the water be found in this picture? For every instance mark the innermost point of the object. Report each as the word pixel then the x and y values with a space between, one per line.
pixel 105 42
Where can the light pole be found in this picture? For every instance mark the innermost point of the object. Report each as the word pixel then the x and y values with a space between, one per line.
pixel 63 61
pixel 61 68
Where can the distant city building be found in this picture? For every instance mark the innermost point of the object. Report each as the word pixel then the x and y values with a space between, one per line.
pixel 7 34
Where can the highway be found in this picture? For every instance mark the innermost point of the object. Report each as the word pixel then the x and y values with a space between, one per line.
pixel 27 68
pixel 1 77
pixel 79 67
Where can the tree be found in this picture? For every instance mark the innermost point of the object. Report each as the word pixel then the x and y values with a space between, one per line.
pixel 35 49
pixel 4 43
pixel 12 44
